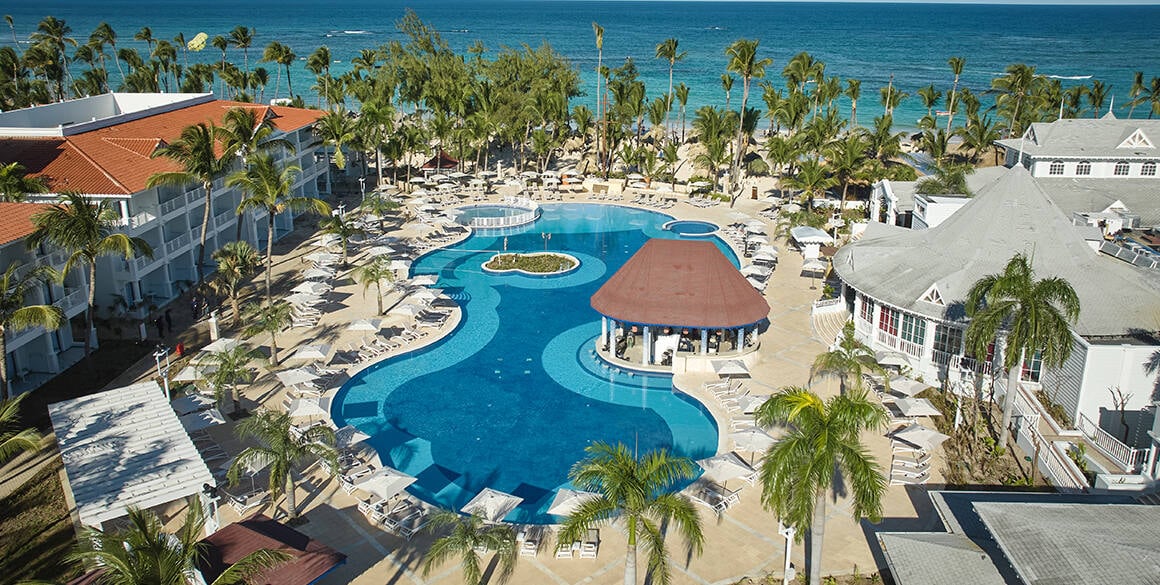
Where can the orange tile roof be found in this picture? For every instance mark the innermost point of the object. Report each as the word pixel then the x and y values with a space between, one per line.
pixel 16 220
pixel 115 160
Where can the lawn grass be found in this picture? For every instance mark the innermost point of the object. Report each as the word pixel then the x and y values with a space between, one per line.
pixel 36 531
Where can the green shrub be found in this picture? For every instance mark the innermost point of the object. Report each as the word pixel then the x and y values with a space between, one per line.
pixel 537 263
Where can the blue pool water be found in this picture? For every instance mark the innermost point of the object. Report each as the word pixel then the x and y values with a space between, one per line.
pixel 470 212
pixel 513 396
pixel 691 228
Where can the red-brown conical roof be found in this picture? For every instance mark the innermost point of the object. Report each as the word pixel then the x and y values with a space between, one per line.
pixel 683 283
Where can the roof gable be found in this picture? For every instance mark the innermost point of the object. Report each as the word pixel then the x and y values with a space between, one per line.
pixel 932 296
pixel 1136 139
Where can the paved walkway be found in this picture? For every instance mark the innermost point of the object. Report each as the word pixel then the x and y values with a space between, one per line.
pixel 743 542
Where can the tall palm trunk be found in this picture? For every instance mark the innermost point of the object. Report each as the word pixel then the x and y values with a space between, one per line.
pixel 951 110
pixel 1013 375
pixel 4 390
pixel 92 307
pixel 379 296
pixel 273 348
pixel 234 305
pixel 269 254
pixel 817 532
pixel 630 554
pixel 291 502
pixel 208 186
pixel 735 177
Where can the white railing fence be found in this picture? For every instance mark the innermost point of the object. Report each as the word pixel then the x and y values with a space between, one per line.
pixel 1130 459
pixel 532 213
pixel 829 306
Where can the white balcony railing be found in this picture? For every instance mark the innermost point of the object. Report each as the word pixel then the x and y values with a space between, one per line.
pixel 910 348
pixel 195 195
pixel 224 218
pixel 71 300
pixel 1127 457
pixel 176 244
pixel 886 339
pixel 172 205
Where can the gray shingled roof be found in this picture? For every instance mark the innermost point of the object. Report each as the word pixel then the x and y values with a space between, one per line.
pixel 904 190
pixel 1087 138
pixel 1013 214
pixel 937 558
pixel 1141 196
pixel 1065 544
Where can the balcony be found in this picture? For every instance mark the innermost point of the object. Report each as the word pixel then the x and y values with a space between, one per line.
pixel 224 218
pixel 144 263
pixel 177 245
pixel 885 338
pixel 171 206
pixel 194 196
pixel 72 300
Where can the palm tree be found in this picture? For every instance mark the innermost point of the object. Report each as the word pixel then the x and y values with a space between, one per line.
pixel 468 535
pixel 376 272
pixel 853 91
pixel 600 113
pixel 668 50
pixel 280 452
pixel 823 443
pixel 242 133
pixel 16 316
pixel 1031 315
pixel 744 62
pixel 1096 96
pixel 16 185
pixel 268 188
pixel 978 135
pixel 271 318
pixel 636 491
pixel 12 441
pixel 947 179
pixel 243 38
pixel 233 366
pixel 848 160
pixel 1133 93
pixel 86 230
pixel 284 56
pixel 377 204
pixel 682 93
pixel 337 225
pixel 318 63
pixel 812 179
pixel 195 151
pixel 957 64
pixel 848 359
pixel 236 263
pixel 336 128
pixel 1018 83
pixel 142 553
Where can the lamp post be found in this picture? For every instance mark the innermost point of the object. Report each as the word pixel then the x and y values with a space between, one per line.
pixel 162 352
pixel 787 532
pixel 547 238
pixel 362 189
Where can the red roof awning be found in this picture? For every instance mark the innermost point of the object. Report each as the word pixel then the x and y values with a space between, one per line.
pixel 312 559
pixel 442 161
pixel 682 283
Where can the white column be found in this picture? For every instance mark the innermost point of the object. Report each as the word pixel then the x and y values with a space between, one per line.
pixel 704 342
pixel 927 360
pixel 603 332
pixel 874 323
pixel 646 345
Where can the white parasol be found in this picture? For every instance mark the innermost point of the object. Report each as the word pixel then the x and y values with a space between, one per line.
pixel 320 351
pixel 406 310
pixel 196 421
pixel 379 251
pixel 296 376
pixel 365 325
pixel 566 501
pixel 906 386
pixel 916 407
pixel 223 344
pixel 423 280
pixel 191 403
pixel 318 273
pixel 887 357
pixel 751 439
pixel 349 436
pixel 730 368
pixel 919 436
pixel 724 467
pixel 305 407
pixel 385 483
pixel 492 505
pixel 312 288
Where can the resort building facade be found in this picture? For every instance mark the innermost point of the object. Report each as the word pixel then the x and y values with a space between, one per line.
pixel 102 146
pixel 905 290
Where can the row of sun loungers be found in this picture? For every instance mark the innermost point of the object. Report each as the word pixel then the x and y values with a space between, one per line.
pixel 712 496
pixel 403 516
pixel 702 201
pixel 908 465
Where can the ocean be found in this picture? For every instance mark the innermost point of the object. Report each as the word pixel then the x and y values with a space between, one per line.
pixel 868 41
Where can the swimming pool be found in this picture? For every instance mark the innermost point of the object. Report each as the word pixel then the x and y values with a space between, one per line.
pixel 513 396
pixel 692 228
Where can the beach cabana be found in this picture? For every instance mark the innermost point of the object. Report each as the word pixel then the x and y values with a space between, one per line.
pixel 125 448
pixel 804 234
pixel 440 161
pixel 671 288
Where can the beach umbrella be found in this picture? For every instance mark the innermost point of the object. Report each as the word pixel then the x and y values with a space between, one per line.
pixel 529 174
pixel 906 386
pixel 303 299
pixel 376 251
pixel 365 325
pixel 814 266
pixel 314 273
pixel 400 264
pixel 425 295
pixel 634 177
pixel 573 180
pixel 492 505
pixel 348 436
pixel 916 407
pixel 312 288
pixel 459 175
pixel 296 376
pixel 919 436
pixel 887 357
pixel 406 310
pixel 191 403
pixel 197 421
pixel 757 238
pixel 322 257
pixel 751 439
pixel 791 208
pixel 550 174
pixel 305 407
pixel 477 183
pixel 423 280
pixel 767 249
pixel 738 216
pixel 320 351
pixel 417 181
pixel 488 174
pixel 749 403
pixel 223 344
pixel 764 257
pixel 194 372
pixel 566 501
pixel 638 185
pixel 437 177
pixel 724 467
pixel 420 193
pixel 730 368
pixel 385 482
pixel 429 208
pixel 758 271
pixel 447 187
pixel 755 229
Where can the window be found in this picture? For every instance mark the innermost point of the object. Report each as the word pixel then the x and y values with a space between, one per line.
pixel 1056 168
pixel 1121 169
pixel 948 339
pixel 867 312
pixel 1083 168
pixel 1148 169
pixel 1032 368
pixel 888 320
pixel 913 329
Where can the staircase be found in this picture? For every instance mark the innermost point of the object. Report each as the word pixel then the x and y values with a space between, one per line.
pixel 827 319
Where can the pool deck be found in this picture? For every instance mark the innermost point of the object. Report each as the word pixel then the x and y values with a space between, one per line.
pixel 741 543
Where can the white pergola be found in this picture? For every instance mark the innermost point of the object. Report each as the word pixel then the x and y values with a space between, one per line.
pixel 125 447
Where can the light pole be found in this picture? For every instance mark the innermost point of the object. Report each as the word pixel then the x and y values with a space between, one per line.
pixel 547 238
pixel 362 189
pixel 162 352
pixel 787 532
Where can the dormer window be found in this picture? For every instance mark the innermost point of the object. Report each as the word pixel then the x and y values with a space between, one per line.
pixel 1121 169
pixel 1083 168
pixel 1148 169
pixel 1056 168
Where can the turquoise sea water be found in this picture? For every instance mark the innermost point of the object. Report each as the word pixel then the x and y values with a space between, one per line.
pixel 869 41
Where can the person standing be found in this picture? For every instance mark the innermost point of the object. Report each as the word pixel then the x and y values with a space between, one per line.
pixel 169 320
pixel 160 324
